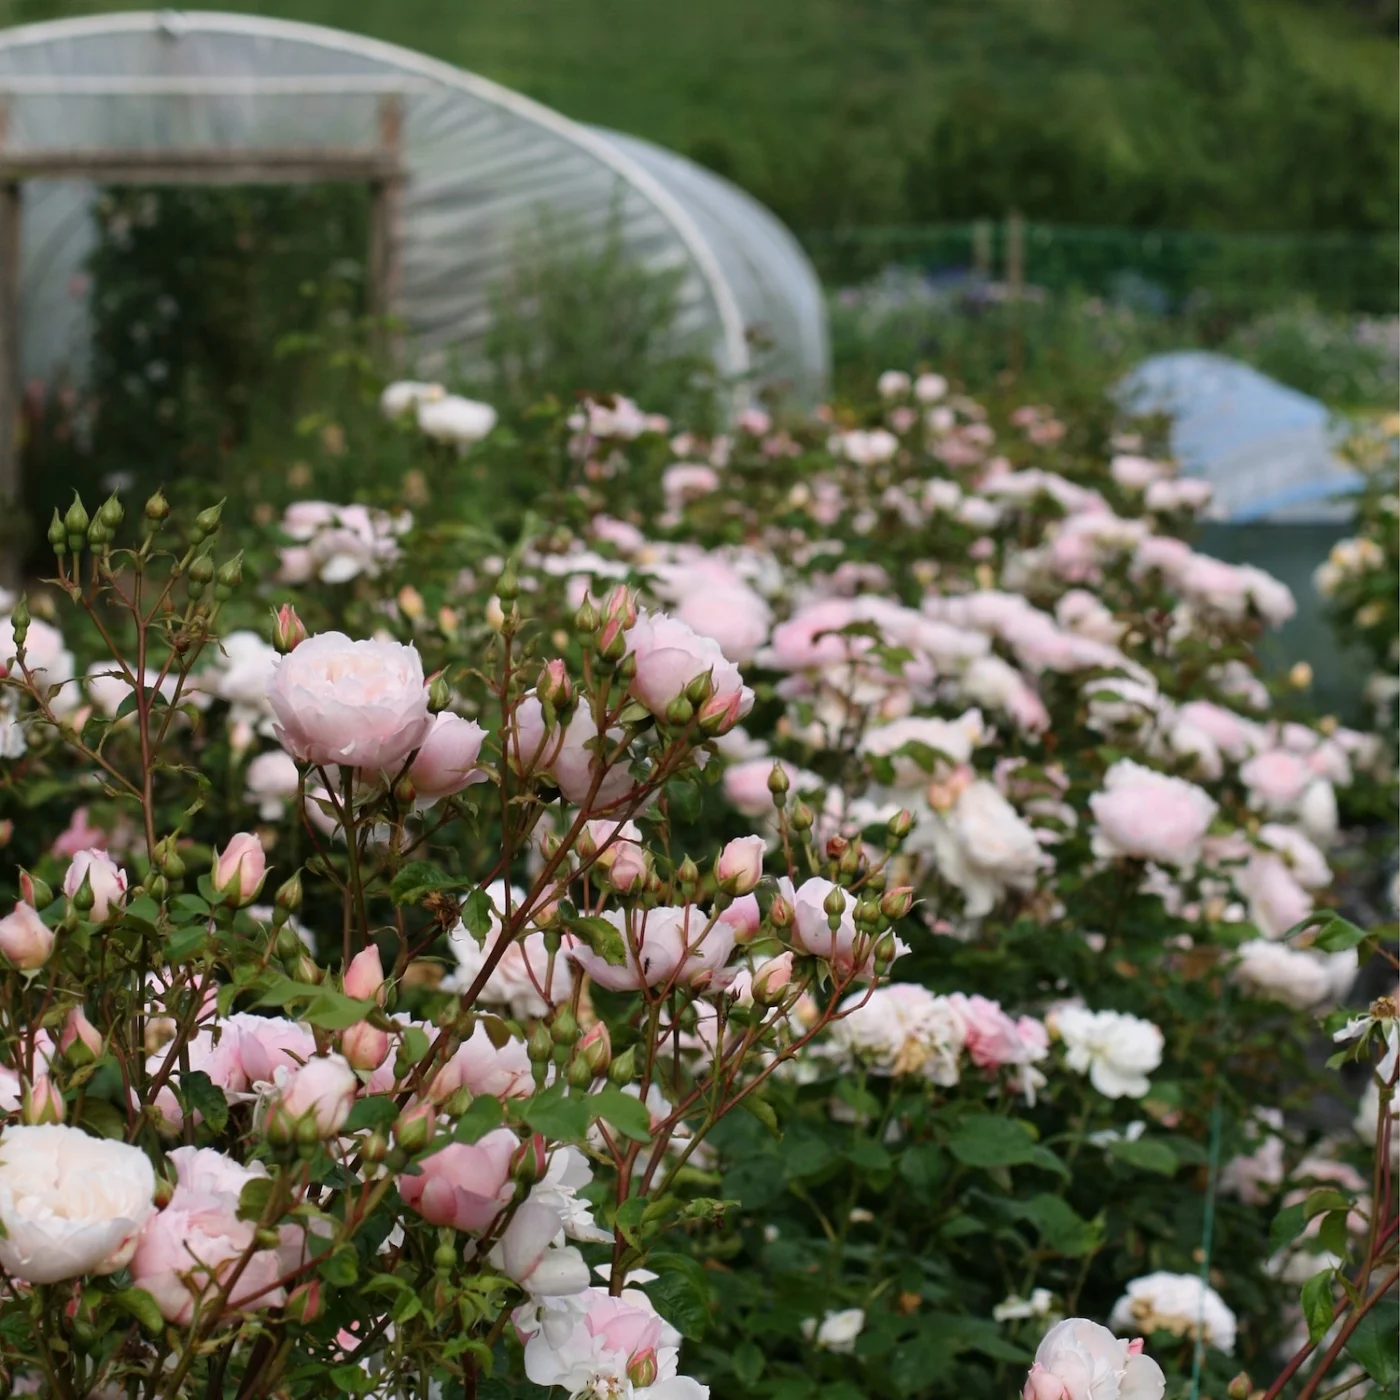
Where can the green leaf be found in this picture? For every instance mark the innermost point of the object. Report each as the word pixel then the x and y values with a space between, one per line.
pixel 476 914
pixel 761 1109
pixel 253 1198
pixel 681 1293
pixel 1317 1304
pixel 1333 1234
pixel 626 1112
pixel 483 1114
pixel 1060 1228
pixel 199 1094
pixel 558 1117
pixel 334 1011
pixel 987 1141
pixel 1288 1225
pixel 603 938
pixel 1324 1199
pixel 683 799
pixel 747 1361
pixel 869 1156
pixel 923 1165
pixel 352 1380
pixel 420 878
pixel 140 1305
pixel 1149 1154
pixel 1372 1346
pixel 342 1267
pixel 376 1111
pixel 628 1216
pixel 1338 934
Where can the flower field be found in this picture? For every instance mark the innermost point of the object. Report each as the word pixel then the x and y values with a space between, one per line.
pixel 832 909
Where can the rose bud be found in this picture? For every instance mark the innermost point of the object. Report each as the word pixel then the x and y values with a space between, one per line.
pixel 364 978
pixel 41 1102
pixel 365 1046
pixel 78 1030
pixel 240 869
pixel 739 866
pixel 317 1098
pixel 288 630
pixel 447 760
pixel 771 980
pixel 25 939
pixel 595 1048
pixel 105 881
pixel 415 1127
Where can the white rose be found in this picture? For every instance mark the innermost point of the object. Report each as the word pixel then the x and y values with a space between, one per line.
pixel 71 1204
pixel 1116 1050
pixel 453 419
pixel 837 1331
pixel 984 847
pixel 1177 1303
pixel 1080 1360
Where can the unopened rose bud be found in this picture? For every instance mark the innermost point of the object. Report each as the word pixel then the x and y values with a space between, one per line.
pixel 1300 676
pixel 802 818
pixel 836 847
pixel 25 939
pixel 240 869
pixel 595 1048
pixel 364 978
pixel 687 874
pixel 700 689
pixel 41 1102
pixel 415 1127
pixel 530 1162
pixel 411 603
pixel 540 1045
pixel 507 586
pixel 288 894
pixel 306 1303
pixel 200 576
pixel 563 1029
pixel 739 866
pixel 578 1075
pixel 642 1370
pixel 896 903
pixel 34 891
pixel 157 508
pixel 75 523
pixel 620 607
pixel 495 614
pixel 553 686
pixel 587 619
pixel 1241 1387
pixel 771 979
pixel 80 1039
pixel 110 512
pixel 780 912
pixel 228 576
pixel 611 641
pixel 900 825
pixel 835 906
pixel 680 712
pixel 364 1046
pixel 288 630
pixel 778 783
pixel 623 1069
pixel 206 523
pixel 58 534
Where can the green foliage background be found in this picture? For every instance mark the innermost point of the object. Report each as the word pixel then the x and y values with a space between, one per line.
pixel 1261 115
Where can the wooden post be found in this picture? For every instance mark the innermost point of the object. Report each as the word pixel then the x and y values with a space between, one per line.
pixel 386 234
pixel 1015 287
pixel 982 249
pixel 10 493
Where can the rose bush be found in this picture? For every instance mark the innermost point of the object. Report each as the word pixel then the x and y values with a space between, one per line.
pixel 831 909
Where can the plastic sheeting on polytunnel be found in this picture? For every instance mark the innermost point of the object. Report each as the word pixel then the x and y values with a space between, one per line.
pixel 1268 450
pixel 482 163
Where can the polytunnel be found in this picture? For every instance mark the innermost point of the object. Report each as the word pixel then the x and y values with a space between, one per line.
pixel 459 167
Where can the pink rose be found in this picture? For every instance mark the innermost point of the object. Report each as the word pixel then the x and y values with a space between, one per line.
pixel 261 1045
pixel 25 939
pixel 663 945
pixel 671 658
pixel 737 619
pixel 743 916
pixel 240 869
pixel 482 1068
pixel 739 866
pixel 187 1251
pixel 1080 1360
pixel 466 1185
pixel 447 760
pixel 1276 778
pixel 359 704
pixel 322 1093
pixel 993 1038
pixel 687 481
pixel 1150 816
pixel 364 978
pixel 105 878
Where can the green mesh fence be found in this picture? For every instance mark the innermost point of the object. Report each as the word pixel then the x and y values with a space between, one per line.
pixel 1241 272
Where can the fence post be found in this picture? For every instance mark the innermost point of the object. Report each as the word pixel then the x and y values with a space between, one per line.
pixel 1015 287
pixel 982 250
